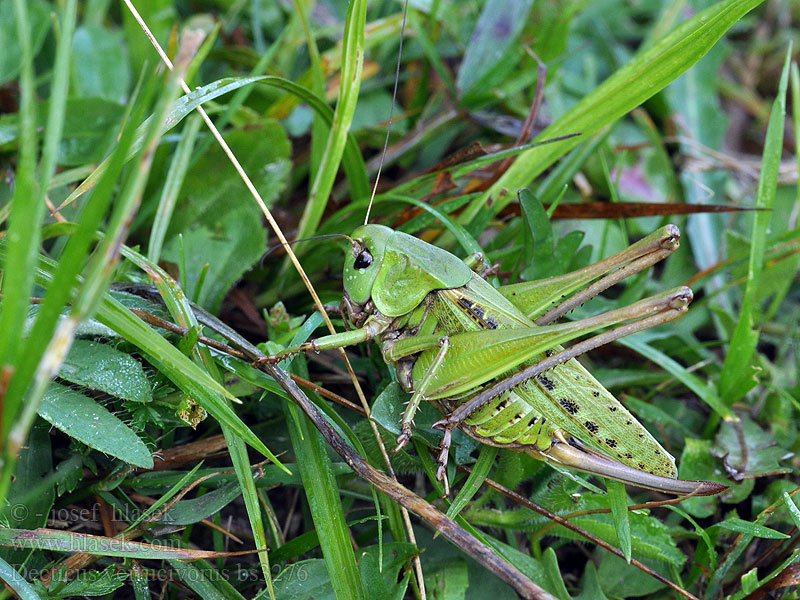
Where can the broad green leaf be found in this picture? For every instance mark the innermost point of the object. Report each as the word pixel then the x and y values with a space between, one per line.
pixel 449 582
pixel 590 586
pixel 620 580
pixel 303 579
pixel 39 25
pixel 760 456
pixel 212 187
pixel 383 580
pixel 90 125
pixel 84 419
pixel 101 367
pixel 30 496
pixel 697 463
pixel 99 65
pixel 224 253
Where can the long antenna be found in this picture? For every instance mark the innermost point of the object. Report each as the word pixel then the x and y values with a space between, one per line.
pixel 391 112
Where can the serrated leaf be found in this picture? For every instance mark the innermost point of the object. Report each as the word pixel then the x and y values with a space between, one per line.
pixel 85 420
pixel 101 367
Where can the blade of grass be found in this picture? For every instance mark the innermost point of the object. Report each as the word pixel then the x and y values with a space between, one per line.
pixel 618 500
pixel 172 185
pixel 23 236
pixel 642 77
pixel 16 582
pixel 326 509
pixel 27 210
pixel 182 312
pixel 707 393
pixel 479 472
pixel 736 371
pixel 319 131
pixel 349 85
pixel 322 493
pixel 101 266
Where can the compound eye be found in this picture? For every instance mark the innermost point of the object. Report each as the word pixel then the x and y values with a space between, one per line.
pixel 363 260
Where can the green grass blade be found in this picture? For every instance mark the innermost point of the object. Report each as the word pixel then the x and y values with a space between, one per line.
pixel 55 121
pixel 619 513
pixel 319 132
pixel 27 209
pixel 96 278
pixel 642 77
pixel 480 471
pixel 141 588
pixel 326 508
pixel 16 582
pixel 736 378
pixel 172 185
pixel 349 85
pixel 180 109
pixel 180 370
pixel 706 392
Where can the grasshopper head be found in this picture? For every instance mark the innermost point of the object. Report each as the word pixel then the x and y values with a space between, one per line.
pixel 396 270
pixel 363 262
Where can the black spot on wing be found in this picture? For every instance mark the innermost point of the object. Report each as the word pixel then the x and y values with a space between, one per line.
pixel 478 313
pixel 569 405
pixel 546 383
